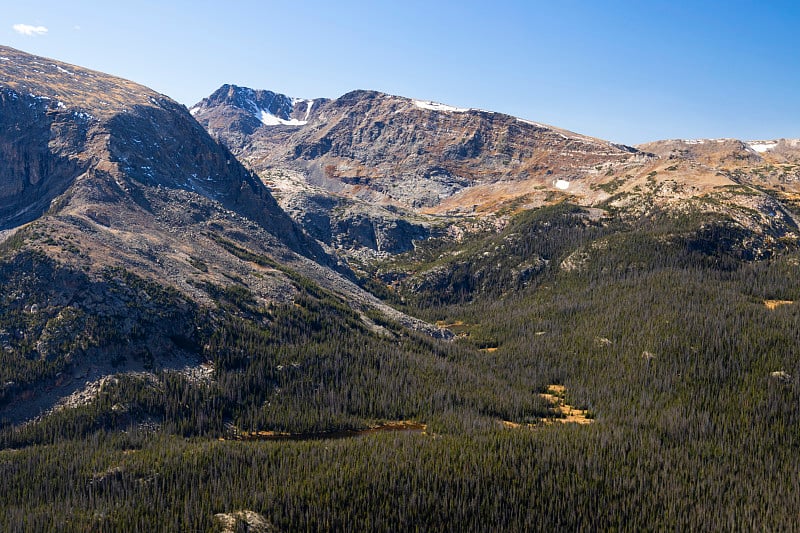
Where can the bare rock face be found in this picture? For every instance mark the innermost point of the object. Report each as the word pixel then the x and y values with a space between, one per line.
pixel 349 224
pixel 452 165
pixel 705 151
pixel 235 113
pixel 89 147
pixel 249 521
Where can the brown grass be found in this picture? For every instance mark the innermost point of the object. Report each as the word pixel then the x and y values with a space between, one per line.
pixel 774 304
pixel 555 396
pixel 567 414
pixel 483 198
pixel 74 86
pixel 443 324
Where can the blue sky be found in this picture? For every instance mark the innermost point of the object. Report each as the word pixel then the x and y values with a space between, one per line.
pixel 627 71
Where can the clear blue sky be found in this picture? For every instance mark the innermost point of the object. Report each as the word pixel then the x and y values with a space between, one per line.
pixel 627 71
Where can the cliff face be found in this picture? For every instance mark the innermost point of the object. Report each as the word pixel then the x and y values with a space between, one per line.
pixel 88 137
pixel 235 113
pixel 38 145
pixel 373 172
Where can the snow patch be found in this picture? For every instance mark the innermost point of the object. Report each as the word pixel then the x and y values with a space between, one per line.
pixel 762 146
pixel 309 105
pixel 704 141
pixel 65 71
pixel 4 59
pixel 268 119
pixel 435 106
pixel 562 184
pixel 193 111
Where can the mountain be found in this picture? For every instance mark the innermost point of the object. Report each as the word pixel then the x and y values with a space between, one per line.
pixel 732 152
pixel 370 170
pixel 125 225
pixel 239 111
pixel 104 139
pixel 370 174
pixel 403 152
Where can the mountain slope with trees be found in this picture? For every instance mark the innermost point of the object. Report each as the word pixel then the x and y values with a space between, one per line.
pixel 177 353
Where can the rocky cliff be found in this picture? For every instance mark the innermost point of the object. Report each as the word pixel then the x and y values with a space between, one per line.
pixel 405 152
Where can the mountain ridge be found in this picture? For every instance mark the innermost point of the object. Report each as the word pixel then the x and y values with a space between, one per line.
pixel 138 184
pixel 370 173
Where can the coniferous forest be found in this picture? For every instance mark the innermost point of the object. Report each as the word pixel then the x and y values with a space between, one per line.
pixel 659 329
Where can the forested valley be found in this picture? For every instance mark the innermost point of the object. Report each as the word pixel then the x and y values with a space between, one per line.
pixel 669 340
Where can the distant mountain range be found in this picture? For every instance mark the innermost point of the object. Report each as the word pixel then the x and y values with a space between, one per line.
pixel 374 172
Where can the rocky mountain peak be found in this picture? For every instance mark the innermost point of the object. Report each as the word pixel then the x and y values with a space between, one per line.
pixel 118 209
pixel 354 97
pixel 728 152
pixel 371 167
pixel 232 109
pixel 778 150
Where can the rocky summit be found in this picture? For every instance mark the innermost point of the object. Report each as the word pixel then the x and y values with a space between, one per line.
pixel 377 172
pixel 408 153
